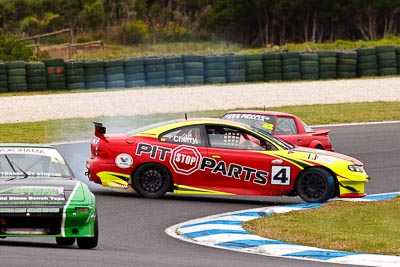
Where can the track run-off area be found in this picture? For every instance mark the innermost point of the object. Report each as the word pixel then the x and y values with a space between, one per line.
pixel 132 229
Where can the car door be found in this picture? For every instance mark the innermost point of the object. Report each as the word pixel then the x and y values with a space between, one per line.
pixel 186 147
pixel 237 161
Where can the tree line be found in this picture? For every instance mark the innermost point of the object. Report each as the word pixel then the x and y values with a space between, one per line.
pixel 249 22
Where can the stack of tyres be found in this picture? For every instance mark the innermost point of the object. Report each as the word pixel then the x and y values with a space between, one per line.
pixel 114 73
pixel 36 76
pixel 134 72
pixel 55 73
pixel 235 68
pixel 272 66
pixel 387 60
pixel 309 66
pixel 254 67
pixel 154 69
pixel 398 59
pixel 3 78
pixel 327 64
pixel 215 69
pixel 346 64
pixel 366 62
pixel 175 75
pixel 16 76
pixel 193 66
pixel 74 74
pixel 94 74
pixel 290 66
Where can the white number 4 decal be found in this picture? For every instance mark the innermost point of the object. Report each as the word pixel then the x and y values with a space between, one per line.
pixel 280 175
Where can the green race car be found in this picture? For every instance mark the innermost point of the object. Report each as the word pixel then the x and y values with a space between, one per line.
pixel 39 196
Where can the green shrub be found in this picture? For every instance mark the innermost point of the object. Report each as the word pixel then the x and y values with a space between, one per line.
pixel 12 49
pixel 84 38
pixel 40 56
pixel 173 32
pixel 135 32
pixel 30 25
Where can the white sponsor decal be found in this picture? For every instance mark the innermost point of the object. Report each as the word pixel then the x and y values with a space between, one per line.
pixel 124 161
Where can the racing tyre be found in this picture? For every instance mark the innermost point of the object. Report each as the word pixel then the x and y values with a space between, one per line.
pixel 65 241
pixel 90 242
pixel 272 77
pixel 315 185
pixel 151 180
pixel 138 83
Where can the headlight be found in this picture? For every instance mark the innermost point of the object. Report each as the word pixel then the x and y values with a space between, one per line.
pixel 355 168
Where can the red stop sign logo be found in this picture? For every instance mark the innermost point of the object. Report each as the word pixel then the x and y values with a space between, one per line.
pixel 185 160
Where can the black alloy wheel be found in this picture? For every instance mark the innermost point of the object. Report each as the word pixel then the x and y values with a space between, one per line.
pixel 151 180
pixel 315 185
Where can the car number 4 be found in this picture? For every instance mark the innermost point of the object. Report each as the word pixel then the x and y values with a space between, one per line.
pixel 280 175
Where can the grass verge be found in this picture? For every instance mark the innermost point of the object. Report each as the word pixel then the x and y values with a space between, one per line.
pixel 112 51
pixel 366 227
pixel 78 128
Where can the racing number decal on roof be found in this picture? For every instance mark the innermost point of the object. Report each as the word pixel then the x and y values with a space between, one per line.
pixel 268 126
pixel 187 159
pixel 280 175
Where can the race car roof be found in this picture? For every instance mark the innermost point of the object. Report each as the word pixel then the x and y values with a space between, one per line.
pixel 25 145
pixel 261 112
pixel 166 125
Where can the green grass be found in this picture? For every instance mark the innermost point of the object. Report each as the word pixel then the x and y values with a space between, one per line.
pixel 112 51
pixel 366 227
pixel 79 128
pixel 164 49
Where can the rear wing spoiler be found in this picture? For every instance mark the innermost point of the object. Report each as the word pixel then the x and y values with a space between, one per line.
pixel 320 132
pixel 99 129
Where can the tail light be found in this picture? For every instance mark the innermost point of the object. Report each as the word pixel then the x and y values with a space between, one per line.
pixel 102 151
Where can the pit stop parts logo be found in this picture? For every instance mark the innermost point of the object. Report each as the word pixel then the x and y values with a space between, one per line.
pixel 186 160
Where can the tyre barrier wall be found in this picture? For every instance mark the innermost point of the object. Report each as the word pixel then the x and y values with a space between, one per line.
pixel 57 74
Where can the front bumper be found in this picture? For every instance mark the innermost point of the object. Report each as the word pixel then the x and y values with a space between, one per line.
pixel 352 188
pixel 69 224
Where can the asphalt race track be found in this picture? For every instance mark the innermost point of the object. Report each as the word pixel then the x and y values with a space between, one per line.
pixel 132 228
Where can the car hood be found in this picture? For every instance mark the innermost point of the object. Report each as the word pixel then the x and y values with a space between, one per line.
pixel 327 153
pixel 39 192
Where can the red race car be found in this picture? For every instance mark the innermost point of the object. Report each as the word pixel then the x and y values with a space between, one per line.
pixel 214 156
pixel 285 126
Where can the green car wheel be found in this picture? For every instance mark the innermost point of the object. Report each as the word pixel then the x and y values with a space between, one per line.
pixel 90 242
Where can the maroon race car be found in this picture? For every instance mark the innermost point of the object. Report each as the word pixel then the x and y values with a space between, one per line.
pixel 284 125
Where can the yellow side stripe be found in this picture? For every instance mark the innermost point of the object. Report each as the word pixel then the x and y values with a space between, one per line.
pixel 183 189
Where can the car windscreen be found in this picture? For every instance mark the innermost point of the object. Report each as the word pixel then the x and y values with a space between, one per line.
pixel 307 128
pixel 32 162
pixel 283 144
pixel 262 122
